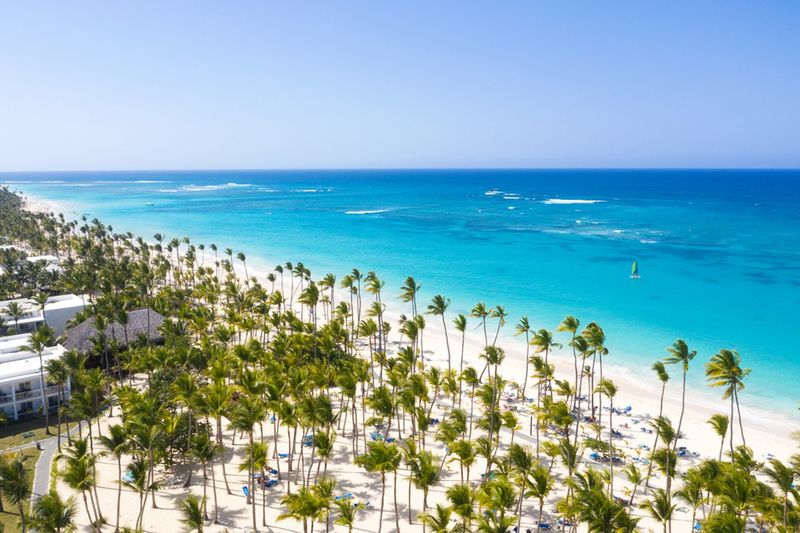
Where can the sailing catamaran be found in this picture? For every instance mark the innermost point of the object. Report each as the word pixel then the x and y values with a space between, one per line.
pixel 635 271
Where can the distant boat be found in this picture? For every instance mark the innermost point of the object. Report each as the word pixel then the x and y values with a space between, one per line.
pixel 149 204
pixel 635 270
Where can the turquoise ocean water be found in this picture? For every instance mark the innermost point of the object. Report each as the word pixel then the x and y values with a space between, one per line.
pixel 718 251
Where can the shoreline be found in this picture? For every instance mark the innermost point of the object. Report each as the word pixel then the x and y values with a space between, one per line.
pixel 771 431
pixel 625 373
pixel 768 433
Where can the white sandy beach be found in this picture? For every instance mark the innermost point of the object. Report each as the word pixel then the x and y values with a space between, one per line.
pixel 766 432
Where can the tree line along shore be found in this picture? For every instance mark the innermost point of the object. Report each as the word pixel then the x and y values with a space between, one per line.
pixel 297 401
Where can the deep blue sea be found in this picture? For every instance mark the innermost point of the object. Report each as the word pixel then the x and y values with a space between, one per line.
pixel 718 251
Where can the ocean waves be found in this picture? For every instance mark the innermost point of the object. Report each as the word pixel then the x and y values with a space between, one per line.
pixel 568 201
pixel 366 212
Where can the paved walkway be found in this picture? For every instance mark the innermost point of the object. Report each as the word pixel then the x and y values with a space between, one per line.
pixel 41 475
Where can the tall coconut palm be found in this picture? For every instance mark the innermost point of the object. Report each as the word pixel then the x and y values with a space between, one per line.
pixel 438 521
pixel 571 324
pixel 438 307
pixel 660 508
pixel 15 311
pixel 679 353
pixel 248 413
pixel 347 513
pixel 783 477
pixel 38 341
pixel 79 476
pixel 724 370
pixel 116 442
pixel 719 423
pixel 58 373
pixel 481 312
pixel 607 388
pixel 204 449
pixel 661 371
pixel 540 486
pixel 52 514
pixel 381 457
pixel 460 323
pixel 523 327
pixel 425 473
pixel 191 509
pixel 15 486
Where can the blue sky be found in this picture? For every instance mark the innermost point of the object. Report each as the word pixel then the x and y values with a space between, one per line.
pixel 171 85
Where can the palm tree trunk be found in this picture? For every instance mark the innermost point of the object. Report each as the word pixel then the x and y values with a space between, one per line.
pixel 383 494
pixel 739 413
pixel 44 396
pixel 119 490
pixel 214 491
pixel 222 445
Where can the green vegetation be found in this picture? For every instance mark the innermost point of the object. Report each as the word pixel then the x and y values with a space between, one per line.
pixel 292 359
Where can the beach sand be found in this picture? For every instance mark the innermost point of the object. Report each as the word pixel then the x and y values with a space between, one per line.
pixel 766 432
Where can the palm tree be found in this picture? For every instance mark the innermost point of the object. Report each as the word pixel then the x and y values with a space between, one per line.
pixel 241 257
pixel 15 310
pixel 679 354
pixel 347 513
pixel 191 509
pixel 439 521
pixel 634 476
pixel 571 324
pixel 205 450
pixel 438 306
pixel 540 486
pixel 117 444
pixel 460 323
pixel 524 328
pixel 381 457
pixel 607 388
pixel 725 370
pixel 58 373
pixel 719 423
pixel 249 412
pixel 15 486
pixel 499 312
pixel 481 312
pixel 51 514
pixel 661 371
pixel 783 477
pixel 38 341
pixel 660 508
pixel 463 500
pixel 40 299
pixel 425 473
pixel 79 476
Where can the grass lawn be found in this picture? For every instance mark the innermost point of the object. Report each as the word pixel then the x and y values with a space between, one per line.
pixel 10 518
pixel 17 433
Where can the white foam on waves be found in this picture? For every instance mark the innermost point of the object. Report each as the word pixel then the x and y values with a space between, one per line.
pixel 566 201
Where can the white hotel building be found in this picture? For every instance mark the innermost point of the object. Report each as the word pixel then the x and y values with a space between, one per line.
pixel 20 382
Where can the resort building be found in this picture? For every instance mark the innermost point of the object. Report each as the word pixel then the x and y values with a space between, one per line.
pixel 20 382
pixel 23 315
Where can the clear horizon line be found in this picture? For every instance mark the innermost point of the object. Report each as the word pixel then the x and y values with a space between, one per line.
pixel 410 168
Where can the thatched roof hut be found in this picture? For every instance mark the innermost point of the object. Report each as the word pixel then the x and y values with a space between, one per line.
pixel 80 337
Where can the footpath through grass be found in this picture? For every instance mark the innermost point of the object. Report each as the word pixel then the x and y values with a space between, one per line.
pixel 20 433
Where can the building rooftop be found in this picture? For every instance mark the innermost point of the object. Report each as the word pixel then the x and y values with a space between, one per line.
pixel 24 363
pixel 80 337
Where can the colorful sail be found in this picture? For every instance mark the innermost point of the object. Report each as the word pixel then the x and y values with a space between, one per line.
pixel 635 270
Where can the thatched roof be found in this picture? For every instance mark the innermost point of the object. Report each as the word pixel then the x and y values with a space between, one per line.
pixel 80 337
